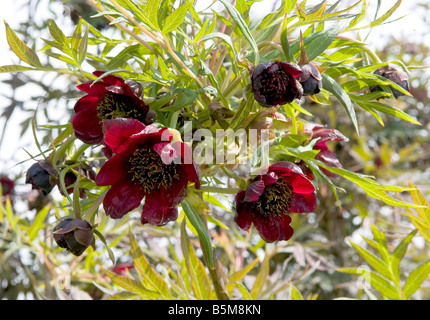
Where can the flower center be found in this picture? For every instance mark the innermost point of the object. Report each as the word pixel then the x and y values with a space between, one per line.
pixel 275 85
pixel 119 106
pixel 275 200
pixel 148 170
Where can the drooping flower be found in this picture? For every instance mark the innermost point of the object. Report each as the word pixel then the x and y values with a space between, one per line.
pixel 7 186
pixel 109 98
pixel 276 83
pixel 270 197
pixel 324 155
pixel 310 79
pixel 394 74
pixel 146 165
pixel 41 175
pixel 74 235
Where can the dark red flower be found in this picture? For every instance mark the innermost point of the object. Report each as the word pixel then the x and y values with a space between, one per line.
pixel 325 155
pixel 310 79
pixel 41 175
pixel 74 235
pixel 7 186
pixel 146 165
pixel 121 268
pixel 270 197
pixel 275 83
pixel 394 74
pixel 109 98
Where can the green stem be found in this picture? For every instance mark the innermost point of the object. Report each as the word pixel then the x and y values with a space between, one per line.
pixel 216 190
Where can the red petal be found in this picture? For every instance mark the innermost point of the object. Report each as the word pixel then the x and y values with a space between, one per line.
pixel 303 203
pixel 110 80
pixel 87 127
pixel 161 205
pixel 253 191
pixel 269 178
pixel 118 132
pixel 300 184
pixel 87 102
pixel 284 166
pixel 94 89
pixel 191 169
pixel 122 197
pixel 329 134
pixel 274 228
pixel 113 170
pixel 243 217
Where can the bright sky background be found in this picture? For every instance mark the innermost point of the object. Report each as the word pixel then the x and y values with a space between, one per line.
pixel 10 12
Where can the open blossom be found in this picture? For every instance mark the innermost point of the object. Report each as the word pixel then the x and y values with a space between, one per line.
pixel 109 98
pixel 145 164
pixel 270 197
pixel 276 83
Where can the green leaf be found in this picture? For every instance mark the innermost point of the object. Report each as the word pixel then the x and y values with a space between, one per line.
pixel 229 44
pixel 23 52
pixel 415 279
pixel 331 85
pixel 200 282
pixel 38 223
pixel 152 279
pixel 239 275
pixel 398 254
pixel 316 43
pixel 385 108
pixel 372 188
pixel 261 277
pixel 376 281
pixel 295 294
pixel 14 68
pixel 419 199
pixel 131 285
pixel 175 19
pixel 373 261
pixel 245 293
pixel 58 35
pixel 202 232
pixel 235 15
pixel 382 244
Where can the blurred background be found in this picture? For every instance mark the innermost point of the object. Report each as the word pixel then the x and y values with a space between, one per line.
pixel 392 153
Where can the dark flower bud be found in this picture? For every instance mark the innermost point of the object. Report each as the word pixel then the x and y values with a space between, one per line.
pixel 275 83
pixel 42 176
pixel 310 79
pixel 74 235
pixel 136 87
pixel 394 74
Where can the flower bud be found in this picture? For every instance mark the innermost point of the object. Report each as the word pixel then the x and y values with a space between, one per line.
pixel 310 79
pixel 42 176
pixel 394 74
pixel 74 235
pixel 275 83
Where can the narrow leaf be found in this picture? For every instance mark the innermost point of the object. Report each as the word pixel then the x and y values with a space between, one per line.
pixel 153 279
pixel 23 52
pixel 373 261
pixel 38 223
pixel 203 233
pixel 235 15
pixel 416 278
pixel 175 19
pixel 331 85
